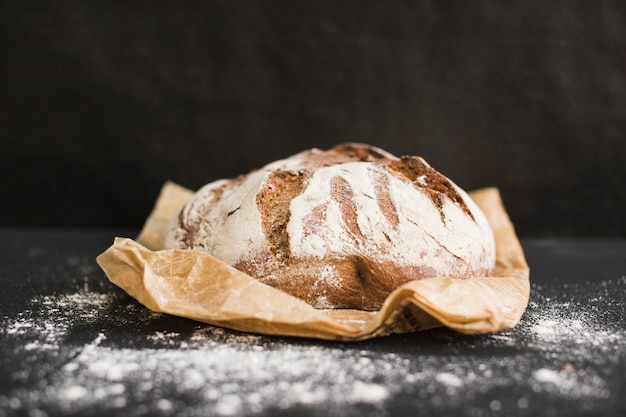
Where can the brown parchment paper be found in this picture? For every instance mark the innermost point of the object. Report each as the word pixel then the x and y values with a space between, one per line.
pixel 194 285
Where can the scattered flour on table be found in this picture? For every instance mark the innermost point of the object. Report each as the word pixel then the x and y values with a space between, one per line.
pixel 222 372
pixel 225 373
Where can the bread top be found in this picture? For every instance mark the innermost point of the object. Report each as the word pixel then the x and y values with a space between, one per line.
pixel 339 228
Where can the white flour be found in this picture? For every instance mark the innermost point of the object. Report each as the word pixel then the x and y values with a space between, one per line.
pixel 218 372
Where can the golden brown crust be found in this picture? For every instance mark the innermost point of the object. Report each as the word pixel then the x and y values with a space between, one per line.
pixel 416 170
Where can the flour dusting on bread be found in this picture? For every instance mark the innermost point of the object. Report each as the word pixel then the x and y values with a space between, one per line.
pixel 339 228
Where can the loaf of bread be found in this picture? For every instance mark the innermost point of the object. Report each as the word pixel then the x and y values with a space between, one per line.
pixel 340 228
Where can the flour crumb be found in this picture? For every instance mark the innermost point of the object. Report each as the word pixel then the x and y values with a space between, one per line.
pixel 449 379
pixel 164 405
pixel 547 376
pixel 73 393
pixel 368 393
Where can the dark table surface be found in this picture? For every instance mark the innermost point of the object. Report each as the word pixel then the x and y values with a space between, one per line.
pixel 73 344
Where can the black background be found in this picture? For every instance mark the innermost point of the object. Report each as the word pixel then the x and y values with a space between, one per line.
pixel 104 101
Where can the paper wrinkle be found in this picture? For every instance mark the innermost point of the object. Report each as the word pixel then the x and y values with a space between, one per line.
pixel 194 285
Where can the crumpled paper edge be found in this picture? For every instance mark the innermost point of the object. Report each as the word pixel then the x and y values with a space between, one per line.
pixel 194 285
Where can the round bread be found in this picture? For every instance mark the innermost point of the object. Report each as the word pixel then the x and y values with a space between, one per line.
pixel 340 228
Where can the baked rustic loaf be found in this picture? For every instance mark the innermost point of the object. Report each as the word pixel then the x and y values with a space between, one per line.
pixel 340 228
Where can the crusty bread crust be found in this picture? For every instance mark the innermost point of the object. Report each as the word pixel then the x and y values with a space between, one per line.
pixel 340 228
